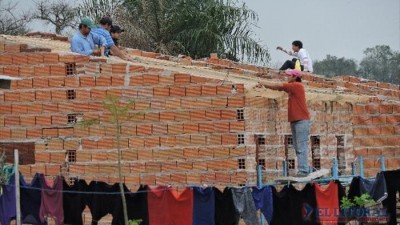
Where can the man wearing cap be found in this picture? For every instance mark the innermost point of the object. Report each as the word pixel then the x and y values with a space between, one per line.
pixel 298 116
pixel 84 41
pixel 104 30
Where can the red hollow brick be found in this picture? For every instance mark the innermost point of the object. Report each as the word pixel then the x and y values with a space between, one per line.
pixel 193 91
pixel 176 91
pixel 57 82
pixel 50 58
pixel 6 59
pixel 58 70
pixel 40 82
pixel 182 116
pixel 235 101
pixel 11 70
pixel 207 90
pixel 182 78
pixel 42 70
pixel 161 91
pixel 150 79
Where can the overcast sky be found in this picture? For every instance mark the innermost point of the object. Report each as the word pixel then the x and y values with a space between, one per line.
pixel 343 28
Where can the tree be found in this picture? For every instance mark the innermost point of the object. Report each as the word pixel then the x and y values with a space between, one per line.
pixel 381 63
pixel 12 22
pixel 120 112
pixel 59 13
pixel 334 66
pixel 217 26
pixel 195 28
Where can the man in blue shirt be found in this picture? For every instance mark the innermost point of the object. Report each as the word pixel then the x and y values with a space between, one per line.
pixel 104 31
pixel 84 41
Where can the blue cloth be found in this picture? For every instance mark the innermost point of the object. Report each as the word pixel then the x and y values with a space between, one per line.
pixel 203 206
pixel 85 45
pixel 8 202
pixel 264 201
pixel 100 31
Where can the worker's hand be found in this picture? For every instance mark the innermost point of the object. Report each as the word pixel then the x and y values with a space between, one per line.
pixel 97 52
pixel 279 48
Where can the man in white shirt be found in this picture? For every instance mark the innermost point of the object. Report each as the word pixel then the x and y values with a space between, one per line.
pixel 301 54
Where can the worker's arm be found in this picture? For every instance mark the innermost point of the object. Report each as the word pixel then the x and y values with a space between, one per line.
pixel 277 87
pixel 117 52
pixel 284 50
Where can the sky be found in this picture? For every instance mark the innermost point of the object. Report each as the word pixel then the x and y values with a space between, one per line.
pixel 342 28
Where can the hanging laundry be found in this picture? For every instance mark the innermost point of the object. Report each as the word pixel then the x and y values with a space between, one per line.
pixel 376 189
pixel 328 202
pixel 31 197
pixel 102 204
pixel 52 200
pixel 294 207
pixel 225 211
pixel 136 204
pixel 74 203
pixel 203 206
pixel 245 206
pixel 167 207
pixel 392 179
pixel 263 200
pixel 8 202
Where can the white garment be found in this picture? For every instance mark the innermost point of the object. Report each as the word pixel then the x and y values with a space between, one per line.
pixel 304 58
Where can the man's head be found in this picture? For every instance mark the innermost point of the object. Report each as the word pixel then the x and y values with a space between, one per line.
pixel 295 75
pixel 116 32
pixel 86 25
pixel 296 46
pixel 106 23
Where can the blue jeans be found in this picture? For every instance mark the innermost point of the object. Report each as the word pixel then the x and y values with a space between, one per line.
pixel 300 132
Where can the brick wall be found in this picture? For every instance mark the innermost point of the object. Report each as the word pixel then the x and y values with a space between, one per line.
pixel 186 129
pixel 376 129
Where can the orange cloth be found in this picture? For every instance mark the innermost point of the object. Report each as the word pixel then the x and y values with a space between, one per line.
pixel 327 203
pixel 297 106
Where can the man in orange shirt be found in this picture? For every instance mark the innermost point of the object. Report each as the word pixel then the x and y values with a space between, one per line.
pixel 298 116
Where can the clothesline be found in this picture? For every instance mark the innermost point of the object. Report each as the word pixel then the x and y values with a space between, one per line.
pixel 325 180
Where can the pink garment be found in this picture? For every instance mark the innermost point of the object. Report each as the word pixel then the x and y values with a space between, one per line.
pixel 52 201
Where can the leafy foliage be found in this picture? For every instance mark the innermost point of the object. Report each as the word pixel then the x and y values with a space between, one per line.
pixel 195 28
pixel 334 66
pixel 382 64
pixel 346 203
pixel 134 222
pixel 362 201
